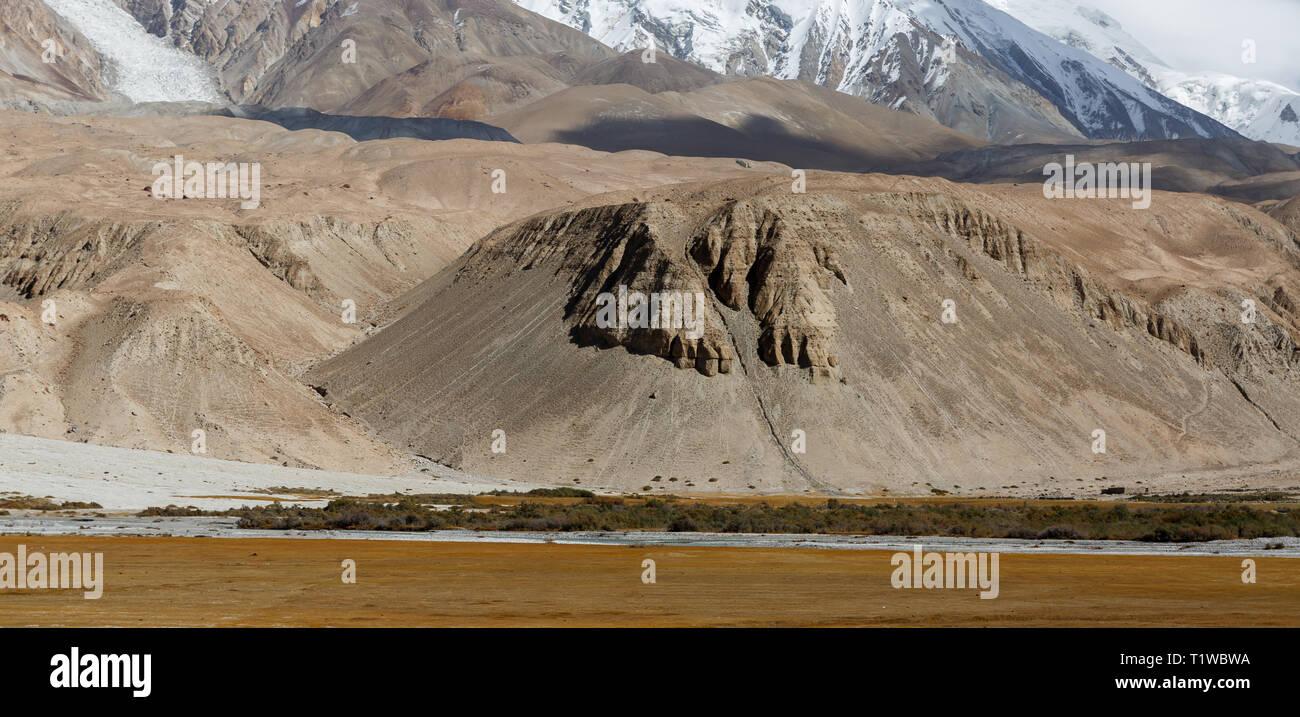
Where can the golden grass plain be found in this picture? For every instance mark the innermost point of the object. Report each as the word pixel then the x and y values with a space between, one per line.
pixel 204 582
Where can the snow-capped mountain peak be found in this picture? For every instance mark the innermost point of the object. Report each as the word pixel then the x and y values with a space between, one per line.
pixel 1258 109
pixel 1098 98
pixel 901 53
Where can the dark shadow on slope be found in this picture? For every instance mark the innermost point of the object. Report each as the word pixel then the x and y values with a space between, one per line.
pixel 1179 165
pixel 363 128
pixel 760 139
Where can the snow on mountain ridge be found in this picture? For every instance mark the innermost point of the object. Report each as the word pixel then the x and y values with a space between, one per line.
pixel 1088 90
pixel 1258 109
pixel 863 47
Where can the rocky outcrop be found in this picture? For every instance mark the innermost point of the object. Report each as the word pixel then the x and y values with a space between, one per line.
pixel 39 254
pixel 1065 282
pixel 745 257
pixel 776 262
pixel 754 260
pixel 633 289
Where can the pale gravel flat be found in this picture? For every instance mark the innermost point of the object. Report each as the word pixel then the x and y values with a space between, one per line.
pixel 124 479
pixel 127 479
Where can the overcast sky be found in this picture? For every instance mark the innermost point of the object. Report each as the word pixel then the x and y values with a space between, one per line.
pixel 1207 34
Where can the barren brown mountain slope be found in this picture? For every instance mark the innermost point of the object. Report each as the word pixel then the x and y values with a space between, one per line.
pixel 825 332
pixel 289 53
pixel 1286 211
pixel 30 34
pixel 472 86
pixel 464 86
pixel 493 62
pixel 622 103
pixel 171 315
pixel 795 123
pixel 461 58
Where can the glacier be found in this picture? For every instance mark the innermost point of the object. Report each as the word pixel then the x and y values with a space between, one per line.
pixel 145 68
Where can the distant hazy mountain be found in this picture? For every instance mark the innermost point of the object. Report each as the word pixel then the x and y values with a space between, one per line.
pixel 1258 109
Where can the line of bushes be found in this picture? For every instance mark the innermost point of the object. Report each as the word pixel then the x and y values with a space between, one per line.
pixel 1054 522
